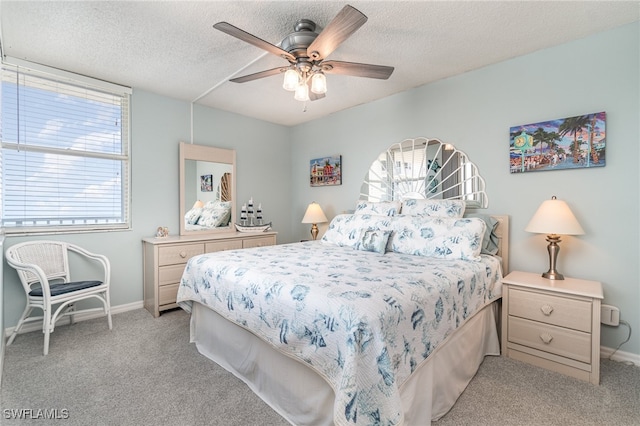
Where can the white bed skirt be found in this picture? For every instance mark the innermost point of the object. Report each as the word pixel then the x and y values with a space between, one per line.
pixel 303 397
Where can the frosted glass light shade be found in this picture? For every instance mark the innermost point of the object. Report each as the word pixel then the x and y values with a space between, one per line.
pixel 291 79
pixel 319 84
pixel 302 92
pixel 554 217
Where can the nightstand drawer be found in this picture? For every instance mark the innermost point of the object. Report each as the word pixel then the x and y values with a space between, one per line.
pixel 172 255
pixel 556 340
pixel 549 309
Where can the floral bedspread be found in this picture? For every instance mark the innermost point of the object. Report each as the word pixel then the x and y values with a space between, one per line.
pixel 364 321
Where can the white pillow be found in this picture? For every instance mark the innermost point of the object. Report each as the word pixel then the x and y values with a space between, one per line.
pixel 345 229
pixel 440 237
pixel 213 218
pixel 382 208
pixel 217 204
pixel 192 216
pixel 439 208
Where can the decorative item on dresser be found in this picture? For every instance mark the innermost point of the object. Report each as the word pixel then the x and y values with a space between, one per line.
pixel 314 215
pixel 251 219
pixel 553 324
pixel 165 258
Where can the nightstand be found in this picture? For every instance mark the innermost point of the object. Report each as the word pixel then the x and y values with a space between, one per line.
pixel 553 324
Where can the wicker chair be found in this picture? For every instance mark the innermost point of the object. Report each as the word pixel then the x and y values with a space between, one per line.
pixel 43 268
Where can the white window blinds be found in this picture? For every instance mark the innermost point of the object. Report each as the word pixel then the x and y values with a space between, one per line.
pixel 65 153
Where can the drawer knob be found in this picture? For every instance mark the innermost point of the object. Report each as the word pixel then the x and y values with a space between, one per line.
pixel 546 309
pixel 183 254
pixel 546 338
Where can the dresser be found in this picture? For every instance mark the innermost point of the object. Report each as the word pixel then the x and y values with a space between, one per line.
pixel 553 324
pixel 165 258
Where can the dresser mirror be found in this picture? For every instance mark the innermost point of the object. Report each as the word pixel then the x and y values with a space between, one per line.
pixel 207 189
pixel 424 168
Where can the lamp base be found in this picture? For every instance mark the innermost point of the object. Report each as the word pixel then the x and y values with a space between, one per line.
pixel 314 231
pixel 553 248
pixel 553 275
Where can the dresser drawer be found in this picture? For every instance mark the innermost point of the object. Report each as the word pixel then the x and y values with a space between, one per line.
pixel 172 255
pixel 223 245
pixel 550 309
pixel 556 340
pixel 259 242
pixel 170 274
pixel 167 294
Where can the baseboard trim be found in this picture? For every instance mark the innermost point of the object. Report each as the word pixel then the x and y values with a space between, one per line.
pixel 82 316
pixel 619 356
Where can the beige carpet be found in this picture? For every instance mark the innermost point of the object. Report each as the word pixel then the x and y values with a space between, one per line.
pixel 145 372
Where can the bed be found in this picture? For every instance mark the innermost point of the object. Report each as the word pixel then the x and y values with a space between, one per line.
pixel 369 325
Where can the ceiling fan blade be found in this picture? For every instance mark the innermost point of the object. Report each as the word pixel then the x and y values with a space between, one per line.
pixel 358 70
pixel 346 22
pixel 261 74
pixel 236 32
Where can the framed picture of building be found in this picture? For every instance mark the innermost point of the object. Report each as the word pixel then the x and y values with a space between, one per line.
pixel 326 171
pixel 564 143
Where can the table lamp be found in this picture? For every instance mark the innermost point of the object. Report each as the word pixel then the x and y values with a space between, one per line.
pixel 554 218
pixel 314 215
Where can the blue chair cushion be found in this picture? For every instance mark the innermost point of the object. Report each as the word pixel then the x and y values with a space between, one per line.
pixel 63 288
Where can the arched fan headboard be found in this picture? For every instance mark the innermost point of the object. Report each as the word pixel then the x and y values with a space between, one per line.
pixel 424 168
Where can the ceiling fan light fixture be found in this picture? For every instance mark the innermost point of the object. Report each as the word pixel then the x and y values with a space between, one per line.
pixel 291 80
pixel 306 50
pixel 302 92
pixel 319 84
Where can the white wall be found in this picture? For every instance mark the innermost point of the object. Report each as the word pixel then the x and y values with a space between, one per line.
pixel 474 111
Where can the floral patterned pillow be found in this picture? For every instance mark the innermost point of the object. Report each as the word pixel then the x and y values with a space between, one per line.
pixel 193 215
pixel 382 208
pixel 440 237
pixel 440 208
pixel 217 204
pixel 345 229
pixel 213 218
pixel 374 240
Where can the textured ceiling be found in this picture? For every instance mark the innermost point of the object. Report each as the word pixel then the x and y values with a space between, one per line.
pixel 171 48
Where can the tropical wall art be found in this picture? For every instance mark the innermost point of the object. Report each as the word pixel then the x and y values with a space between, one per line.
pixel 565 143
pixel 326 171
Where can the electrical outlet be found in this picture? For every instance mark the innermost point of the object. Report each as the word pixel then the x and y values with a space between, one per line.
pixel 609 315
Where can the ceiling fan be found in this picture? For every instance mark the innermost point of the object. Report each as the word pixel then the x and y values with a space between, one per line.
pixel 306 52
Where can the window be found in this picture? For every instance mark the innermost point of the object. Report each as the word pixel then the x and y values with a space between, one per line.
pixel 65 152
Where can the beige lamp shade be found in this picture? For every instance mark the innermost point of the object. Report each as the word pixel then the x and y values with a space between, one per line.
pixel 314 214
pixel 554 217
pixel 198 204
